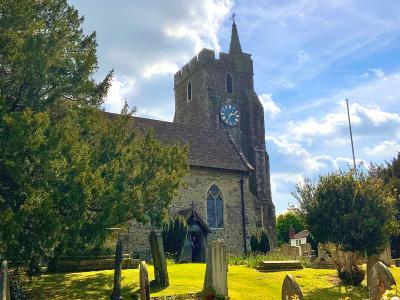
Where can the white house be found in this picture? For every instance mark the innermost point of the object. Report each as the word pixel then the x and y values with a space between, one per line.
pixel 299 238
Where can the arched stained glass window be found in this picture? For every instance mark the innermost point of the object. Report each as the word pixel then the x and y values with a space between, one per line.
pixel 215 207
pixel 229 84
pixel 189 91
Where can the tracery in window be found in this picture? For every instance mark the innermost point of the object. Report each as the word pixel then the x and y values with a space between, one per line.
pixel 215 207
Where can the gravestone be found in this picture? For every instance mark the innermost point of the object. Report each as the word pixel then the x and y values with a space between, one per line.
pixel 372 260
pixel 4 284
pixel 381 279
pixel 160 265
pixel 385 256
pixel 144 281
pixel 116 293
pixel 305 249
pixel 290 289
pixel 216 270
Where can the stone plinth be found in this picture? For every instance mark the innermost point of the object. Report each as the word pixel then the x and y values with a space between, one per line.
pixel 280 265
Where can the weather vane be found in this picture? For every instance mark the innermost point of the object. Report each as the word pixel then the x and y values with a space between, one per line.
pixel 233 17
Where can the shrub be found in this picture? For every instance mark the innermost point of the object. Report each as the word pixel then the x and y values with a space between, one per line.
pixel 354 276
pixel 17 292
pixel 174 235
pixel 259 243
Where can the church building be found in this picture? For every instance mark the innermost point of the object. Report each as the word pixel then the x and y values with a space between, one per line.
pixel 227 192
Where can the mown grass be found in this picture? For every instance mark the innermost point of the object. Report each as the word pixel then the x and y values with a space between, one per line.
pixel 243 283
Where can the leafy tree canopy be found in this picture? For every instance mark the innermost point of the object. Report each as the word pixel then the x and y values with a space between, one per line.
pixel 351 210
pixel 68 171
pixel 288 220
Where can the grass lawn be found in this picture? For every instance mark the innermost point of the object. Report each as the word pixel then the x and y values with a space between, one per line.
pixel 243 283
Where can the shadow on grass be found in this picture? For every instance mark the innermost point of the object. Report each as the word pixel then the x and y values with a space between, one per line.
pixel 338 292
pixel 65 286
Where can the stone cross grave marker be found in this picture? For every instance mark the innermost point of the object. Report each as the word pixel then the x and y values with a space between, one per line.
pixel 381 279
pixel 144 281
pixel 216 270
pixel 290 289
pixel 4 284
pixel 160 265
pixel 116 293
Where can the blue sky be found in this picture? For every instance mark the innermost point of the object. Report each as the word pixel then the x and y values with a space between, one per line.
pixel 309 56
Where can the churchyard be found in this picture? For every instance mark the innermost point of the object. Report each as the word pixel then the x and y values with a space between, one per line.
pixel 188 203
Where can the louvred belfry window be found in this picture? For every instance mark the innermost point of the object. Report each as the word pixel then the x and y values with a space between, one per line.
pixel 215 207
pixel 229 84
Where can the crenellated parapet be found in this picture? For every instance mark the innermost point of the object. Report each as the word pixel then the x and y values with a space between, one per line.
pixel 205 56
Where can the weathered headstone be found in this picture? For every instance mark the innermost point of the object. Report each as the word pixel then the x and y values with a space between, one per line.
pixel 381 279
pixel 372 260
pixel 4 284
pixel 290 289
pixel 216 271
pixel 385 256
pixel 144 281
pixel 116 293
pixel 160 265
pixel 305 249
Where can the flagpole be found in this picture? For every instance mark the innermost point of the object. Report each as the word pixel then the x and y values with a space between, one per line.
pixel 351 135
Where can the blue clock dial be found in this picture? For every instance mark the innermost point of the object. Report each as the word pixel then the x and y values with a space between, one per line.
pixel 229 114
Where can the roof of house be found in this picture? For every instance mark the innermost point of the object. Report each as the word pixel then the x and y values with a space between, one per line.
pixel 301 234
pixel 209 148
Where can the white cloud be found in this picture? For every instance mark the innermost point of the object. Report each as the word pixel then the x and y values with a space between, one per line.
pixel 203 25
pixel 164 68
pixel 378 72
pixel 330 124
pixel 118 93
pixel 384 149
pixel 269 104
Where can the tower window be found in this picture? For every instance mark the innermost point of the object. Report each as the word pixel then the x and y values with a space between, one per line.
pixel 189 91
pixel 215 207
pixel 229 84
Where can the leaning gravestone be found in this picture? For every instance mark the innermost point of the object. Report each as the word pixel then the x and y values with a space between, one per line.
pixel 116 293
pixel 4 284
pixel 144 281
pixel 290 289
pixel 160 265
pixel 216 270
pixel 381 279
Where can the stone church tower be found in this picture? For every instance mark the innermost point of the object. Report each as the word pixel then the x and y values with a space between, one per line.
pixel 219 94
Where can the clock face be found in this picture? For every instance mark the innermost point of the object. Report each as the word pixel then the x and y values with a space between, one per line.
pixel 229 114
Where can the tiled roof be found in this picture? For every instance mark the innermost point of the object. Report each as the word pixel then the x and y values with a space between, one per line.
pixel 189 213
pixel 209 148
pixel 301 234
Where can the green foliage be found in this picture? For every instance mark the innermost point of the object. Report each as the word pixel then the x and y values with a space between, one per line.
pixel 259 242
pixel 286 221
pixel 354 276
pixel 353 211
pixel 68 171
pixel 254 259
pixel 45 57
pixel 174 235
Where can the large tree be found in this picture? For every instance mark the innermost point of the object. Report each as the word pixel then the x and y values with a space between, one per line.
pixel 68 171
pixel 285 222
pixel 390 174
pixel 353 211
